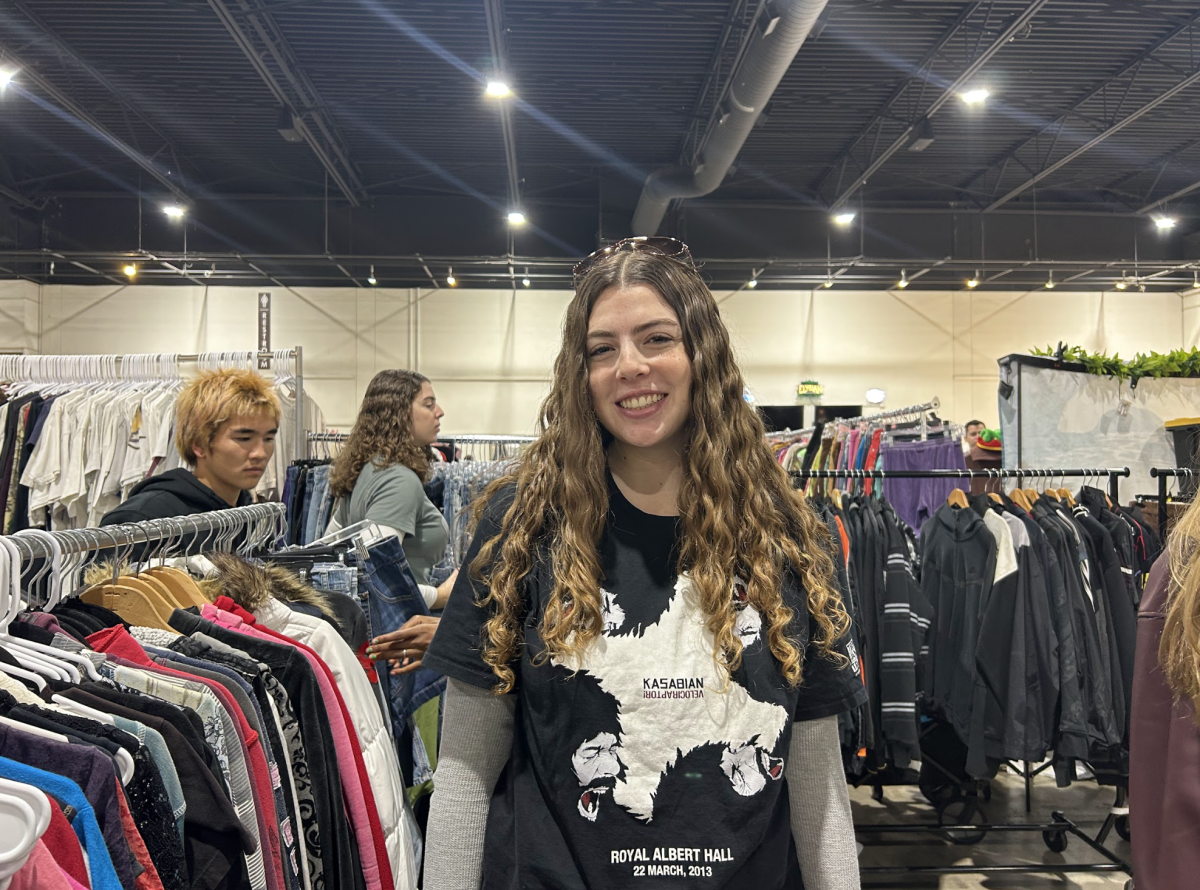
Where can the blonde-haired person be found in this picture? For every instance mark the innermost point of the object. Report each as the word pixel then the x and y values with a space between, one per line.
pixel 225 427
pixel 1164 722
pixel 379 475
pixel 646 654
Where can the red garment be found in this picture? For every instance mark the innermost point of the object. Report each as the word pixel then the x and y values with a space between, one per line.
pixel 378 842
pixel 872 457
pixel 117 641
pixel 40 872
pixel 1164 759
pixel 60 837
pixel 148 879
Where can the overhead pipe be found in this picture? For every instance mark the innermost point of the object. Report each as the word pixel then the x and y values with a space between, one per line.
pixel 779 33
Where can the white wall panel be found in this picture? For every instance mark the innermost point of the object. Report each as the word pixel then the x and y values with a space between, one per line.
pixel 490 353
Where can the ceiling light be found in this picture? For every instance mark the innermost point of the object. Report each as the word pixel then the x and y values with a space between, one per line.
pixel 903 282
pixel 752 283
pixel 6 78
pixel 174 211
pixel 130 270
pixel 1121 285
pixel 286 125
pixel 1050 281
pixel 450 279
pixel 973 281
pixel 516 218
pixel 208 273
pixel 525 281
pixel 1164 222
pixel 371 277
pixel 974 97
pixel 828 282
pixel 875 395
pixel 844 219
pixel 1196 280
pixel 498 88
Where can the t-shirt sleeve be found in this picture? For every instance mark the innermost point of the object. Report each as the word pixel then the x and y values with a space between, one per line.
pixel 829 687
pixel 456 650
pixel 394 499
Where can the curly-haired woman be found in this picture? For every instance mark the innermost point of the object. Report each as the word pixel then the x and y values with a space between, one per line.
pixel 646 655
pixel 379 475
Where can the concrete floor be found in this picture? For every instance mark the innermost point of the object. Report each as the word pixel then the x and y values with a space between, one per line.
pixel 1085 803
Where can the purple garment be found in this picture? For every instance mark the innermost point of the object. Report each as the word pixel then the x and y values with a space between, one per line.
pixel 89 768
pixel 44 620
pixel 916 500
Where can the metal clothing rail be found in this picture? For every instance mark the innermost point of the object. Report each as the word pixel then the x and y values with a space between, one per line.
pixel 1162 474
pixel 150 367
pixel 253 525
pixel 893 414
pixel 1113 474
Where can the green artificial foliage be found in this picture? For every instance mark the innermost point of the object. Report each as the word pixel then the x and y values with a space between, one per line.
pixel 1176 363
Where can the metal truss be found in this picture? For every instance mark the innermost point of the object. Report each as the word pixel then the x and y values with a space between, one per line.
pixel 1042 153
pixel 899 125
pixel 253 28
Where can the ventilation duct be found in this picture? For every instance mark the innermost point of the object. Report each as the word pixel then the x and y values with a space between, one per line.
pixel 781 31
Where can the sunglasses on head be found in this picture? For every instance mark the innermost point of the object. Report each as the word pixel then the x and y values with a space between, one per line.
pixel 671 248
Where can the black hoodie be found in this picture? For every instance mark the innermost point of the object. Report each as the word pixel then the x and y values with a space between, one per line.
pixel 174 493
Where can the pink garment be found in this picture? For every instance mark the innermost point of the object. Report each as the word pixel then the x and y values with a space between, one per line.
pixel 40 872
pixel 72 883
pixel 116 641
pixel 357 791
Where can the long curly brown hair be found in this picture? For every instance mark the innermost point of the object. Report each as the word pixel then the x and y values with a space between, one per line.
pixel 739 513
pixel 382 432
pixel 1179 649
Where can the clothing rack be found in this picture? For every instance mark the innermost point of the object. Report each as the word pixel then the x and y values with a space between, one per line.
pixel 1056 832
pixel 894 414
pixel 1162 474
pixel 1113 474
pixel 460 439
pixel 153 366
pixel 252 526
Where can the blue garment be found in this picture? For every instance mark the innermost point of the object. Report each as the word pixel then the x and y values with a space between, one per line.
pixel 87 829
pixel 323 501
pixel 161 755
pixel 393 598
pixel 310 487
pixel 335 577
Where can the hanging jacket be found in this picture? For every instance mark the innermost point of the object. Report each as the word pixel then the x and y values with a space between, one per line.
pixel 174 493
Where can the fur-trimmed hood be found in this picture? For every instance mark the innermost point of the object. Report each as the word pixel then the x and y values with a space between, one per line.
pixel 250 585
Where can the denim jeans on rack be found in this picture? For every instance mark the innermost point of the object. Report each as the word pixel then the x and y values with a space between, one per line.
pixel 335 577
pixel 314 503
pixel 392 598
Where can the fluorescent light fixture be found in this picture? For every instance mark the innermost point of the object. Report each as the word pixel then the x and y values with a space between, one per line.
pixel 450 279
pixel 875 395
pixel 130 270
pixel 516 218
pixel 844 219
pixel 973 281
pixel 371 277
pixel 498 89
pixel 903 282
pixel 1164 222
pixel 174 211
pixel 975 96
pixel 6 77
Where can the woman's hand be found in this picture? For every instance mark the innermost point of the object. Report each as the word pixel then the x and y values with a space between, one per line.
pixel 404 648
pixel 443 591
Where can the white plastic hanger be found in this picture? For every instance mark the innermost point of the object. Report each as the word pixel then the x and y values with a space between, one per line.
pixel 62 665
pixel 10 598
pixel 18 832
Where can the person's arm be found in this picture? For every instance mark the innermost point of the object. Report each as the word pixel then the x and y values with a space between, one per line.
pixel 477 734
pixel 821 821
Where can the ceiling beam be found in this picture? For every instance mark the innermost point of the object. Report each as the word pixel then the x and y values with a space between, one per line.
pixel 1129 70
pixel 1014 28
pixel 495 25
pixel 1186 190
pixel 253 29
pixel 1100 137
pixel 29 76
pixel 64 49
pixel 884 111
pixel 19 199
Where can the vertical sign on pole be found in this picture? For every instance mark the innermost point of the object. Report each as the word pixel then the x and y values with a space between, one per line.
pixel 264 331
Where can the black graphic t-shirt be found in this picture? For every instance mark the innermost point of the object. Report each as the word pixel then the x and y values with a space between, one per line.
pixel 638 765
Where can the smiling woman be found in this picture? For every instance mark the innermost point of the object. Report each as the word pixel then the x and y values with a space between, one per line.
pixel 650 590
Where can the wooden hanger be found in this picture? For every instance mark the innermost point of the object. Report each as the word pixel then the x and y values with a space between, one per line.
pixel 995 496
pixel 958 498
pixel 131 603
pixel 1017 496
pixel 181 587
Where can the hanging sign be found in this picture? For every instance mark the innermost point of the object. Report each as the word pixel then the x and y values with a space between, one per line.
pixel 264 330
pixel 810 388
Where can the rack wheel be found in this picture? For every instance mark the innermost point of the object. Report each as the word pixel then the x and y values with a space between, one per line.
pixel 960 810
pixel 1122 827
pixel 1056 841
